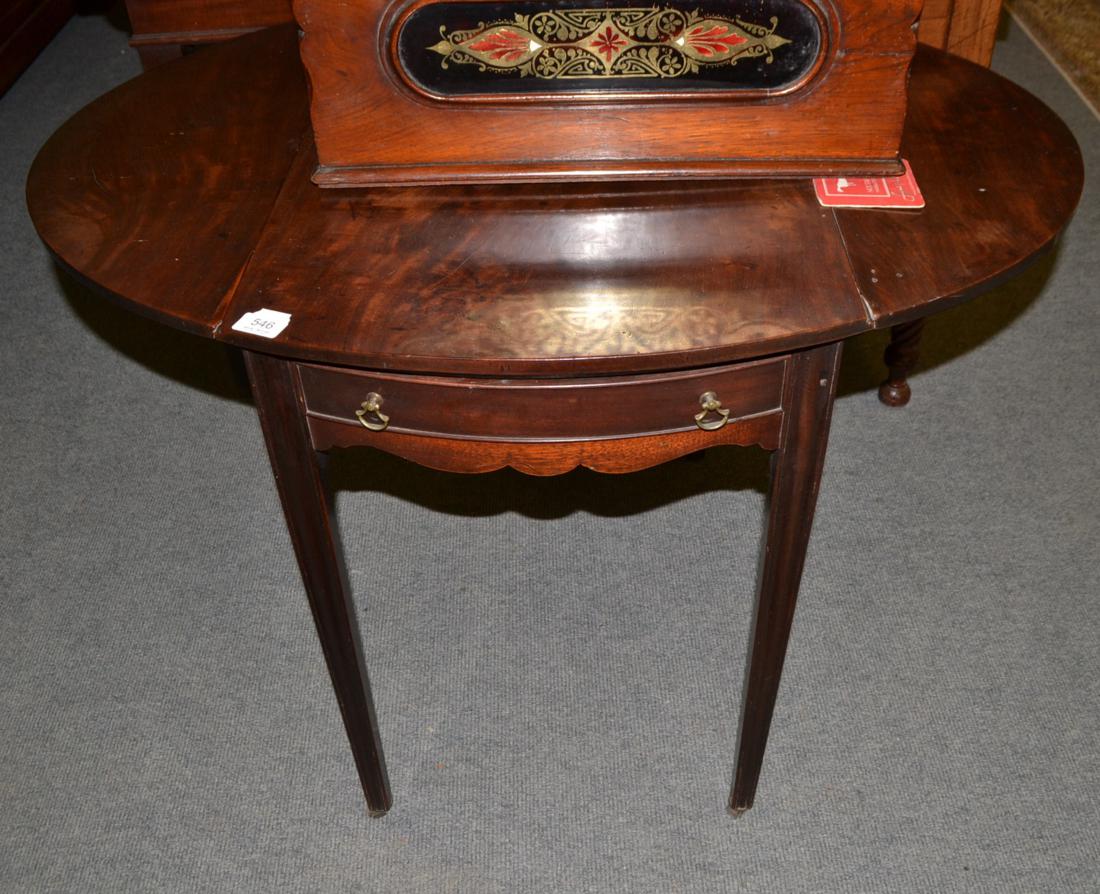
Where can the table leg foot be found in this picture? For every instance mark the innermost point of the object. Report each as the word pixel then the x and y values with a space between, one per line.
pixel 901 358
pixel 894 394
pixel 311 521
pixel 796 475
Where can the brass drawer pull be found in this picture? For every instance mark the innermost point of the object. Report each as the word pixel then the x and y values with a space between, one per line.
pixel 372 411
pixel 711 404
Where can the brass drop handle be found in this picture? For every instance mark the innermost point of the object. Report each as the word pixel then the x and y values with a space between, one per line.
pixel 372 411
pixel 711 404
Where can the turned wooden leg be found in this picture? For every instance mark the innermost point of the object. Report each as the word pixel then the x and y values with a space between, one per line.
pixel 796 475
pixel 307 505
pixel 901 357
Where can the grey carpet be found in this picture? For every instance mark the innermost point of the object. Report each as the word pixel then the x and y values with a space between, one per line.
pixel 557 663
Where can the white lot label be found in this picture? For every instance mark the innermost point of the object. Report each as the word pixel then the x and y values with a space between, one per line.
pixel 264 323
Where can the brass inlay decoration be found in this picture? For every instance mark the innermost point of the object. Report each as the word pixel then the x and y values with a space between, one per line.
pixel 371 415
pixel 711 404
pixel 608 43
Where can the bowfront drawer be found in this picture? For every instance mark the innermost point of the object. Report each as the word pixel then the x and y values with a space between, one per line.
pixel 543 409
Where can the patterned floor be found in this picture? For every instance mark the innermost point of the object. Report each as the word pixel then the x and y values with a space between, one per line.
pixel 1069 30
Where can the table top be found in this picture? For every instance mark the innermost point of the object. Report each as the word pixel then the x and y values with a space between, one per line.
pixel 185 194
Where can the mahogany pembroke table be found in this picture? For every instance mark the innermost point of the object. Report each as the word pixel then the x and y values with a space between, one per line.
pixel 612 326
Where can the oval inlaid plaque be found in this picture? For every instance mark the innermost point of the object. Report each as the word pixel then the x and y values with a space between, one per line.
pixel 529 48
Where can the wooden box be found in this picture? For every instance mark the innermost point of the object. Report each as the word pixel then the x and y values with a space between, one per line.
pixel 460 91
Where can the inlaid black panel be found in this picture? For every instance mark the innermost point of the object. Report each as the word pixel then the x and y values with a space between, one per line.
pixel 578 46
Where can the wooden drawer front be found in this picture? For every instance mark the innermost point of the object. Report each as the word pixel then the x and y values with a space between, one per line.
pixel 546 409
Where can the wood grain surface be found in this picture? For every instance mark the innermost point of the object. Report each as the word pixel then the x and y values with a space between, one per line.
pixel 160 192
pixel 533 280
pixel 370 129
pixel 157 192
pixel 1001 174
pixel 614 456
pixel 967 28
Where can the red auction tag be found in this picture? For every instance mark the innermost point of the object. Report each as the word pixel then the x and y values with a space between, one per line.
pixel 870 192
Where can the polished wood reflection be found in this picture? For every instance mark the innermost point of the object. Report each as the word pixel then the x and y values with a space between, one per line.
pixel 524 280
pixel 984 217
pixel 159 193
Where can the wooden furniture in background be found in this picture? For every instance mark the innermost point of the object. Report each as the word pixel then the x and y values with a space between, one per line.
pixel 162 29
pixel 579 323
pixel 967 28
pixel 26 26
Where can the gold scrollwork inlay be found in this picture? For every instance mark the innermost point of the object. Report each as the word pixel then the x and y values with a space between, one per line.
pixel 608 43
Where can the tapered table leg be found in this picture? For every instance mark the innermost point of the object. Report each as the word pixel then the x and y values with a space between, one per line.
pixel 796 476
pixel 901 358
pixel 307 505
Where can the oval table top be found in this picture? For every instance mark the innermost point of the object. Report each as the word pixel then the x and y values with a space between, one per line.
pixel 185 194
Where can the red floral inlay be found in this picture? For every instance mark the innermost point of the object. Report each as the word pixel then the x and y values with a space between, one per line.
pixel 716 41
pixel 504 45
pixel 609 43
pixel 632 42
